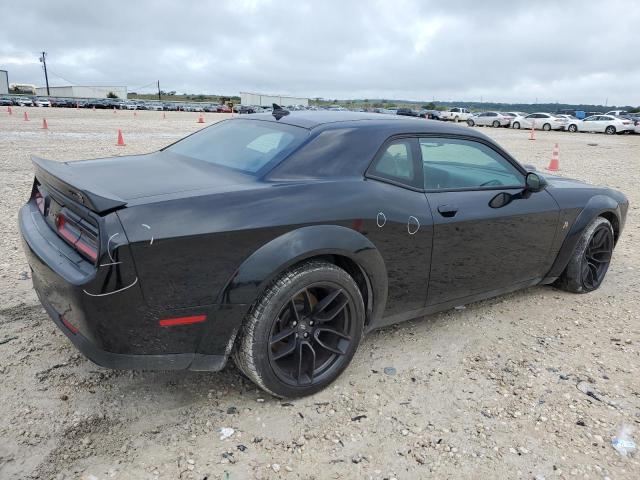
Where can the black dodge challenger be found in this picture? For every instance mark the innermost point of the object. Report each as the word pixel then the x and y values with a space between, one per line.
pixel 280 239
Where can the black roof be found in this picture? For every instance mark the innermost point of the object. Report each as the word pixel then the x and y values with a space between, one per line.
pixel 312 119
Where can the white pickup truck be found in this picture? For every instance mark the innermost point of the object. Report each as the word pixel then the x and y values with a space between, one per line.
pixel 456 114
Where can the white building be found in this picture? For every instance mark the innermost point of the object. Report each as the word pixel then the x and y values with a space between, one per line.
pixel 266 100
pixel 4 82
pixel 81 91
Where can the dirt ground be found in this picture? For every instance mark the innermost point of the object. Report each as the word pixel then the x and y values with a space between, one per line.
pixel 530 385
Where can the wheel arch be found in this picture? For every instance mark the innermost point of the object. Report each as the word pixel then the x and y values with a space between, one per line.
pixel 597 206
pixel 342 246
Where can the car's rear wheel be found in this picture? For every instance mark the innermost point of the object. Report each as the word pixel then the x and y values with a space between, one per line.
pixel 546 127
pixel 591 258
pixel 573 128
pixel 496 124
pixel 303 331
pixel 610 130
pixel 516 125
pixel 470 122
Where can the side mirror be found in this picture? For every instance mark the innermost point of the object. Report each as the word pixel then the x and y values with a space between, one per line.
pixel 534 182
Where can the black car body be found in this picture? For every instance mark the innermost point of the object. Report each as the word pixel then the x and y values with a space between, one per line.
pixel 154 261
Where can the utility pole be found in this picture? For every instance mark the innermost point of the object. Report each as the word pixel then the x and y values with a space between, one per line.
pixel 159 96
pixel 43 59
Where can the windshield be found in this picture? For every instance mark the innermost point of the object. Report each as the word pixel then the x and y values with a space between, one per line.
pixel 246 145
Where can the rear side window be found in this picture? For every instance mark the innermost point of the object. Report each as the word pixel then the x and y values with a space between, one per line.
pixel 454 164
pixel 396 163
pixel 246 145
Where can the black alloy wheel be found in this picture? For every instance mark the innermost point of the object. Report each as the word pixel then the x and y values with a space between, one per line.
pixel 302 331
pixel 590 260
pixel 312 334
pixel 597 257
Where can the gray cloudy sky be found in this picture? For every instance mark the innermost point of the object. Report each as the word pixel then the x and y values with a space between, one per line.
pixel 579 51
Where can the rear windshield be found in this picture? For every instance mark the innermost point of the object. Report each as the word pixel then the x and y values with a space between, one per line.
pixel 246 145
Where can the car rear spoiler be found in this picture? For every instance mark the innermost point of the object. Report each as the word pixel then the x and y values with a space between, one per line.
pixel 72 185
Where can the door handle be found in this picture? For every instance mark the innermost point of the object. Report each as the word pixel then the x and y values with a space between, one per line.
pixel 448 210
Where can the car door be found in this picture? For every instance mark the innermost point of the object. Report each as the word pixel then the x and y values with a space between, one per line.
pixel 483 119
pixel 404 227
pixel 489 232
pixel 529 120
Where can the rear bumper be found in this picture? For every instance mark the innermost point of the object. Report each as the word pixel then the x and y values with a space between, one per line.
pixel 167 361
pixel 102 310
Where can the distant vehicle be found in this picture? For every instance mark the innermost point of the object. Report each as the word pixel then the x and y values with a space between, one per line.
pixel 23 101
pixel 434 114
pixel 617 113
pixel 243 109
pixel 6 101
pixel 222 108
pixel 540 121
pixel 41 102
pixel 493 119
pixel 154 106
pixel 407 112
pixel 130 105
pixel 457 114
pixel 608 124
pixel 579 114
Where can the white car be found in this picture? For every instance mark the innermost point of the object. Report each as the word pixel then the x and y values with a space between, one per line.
pixel 602 123
pixel 155 106
pixel 41 102
pixel 541 121
pixel 493 119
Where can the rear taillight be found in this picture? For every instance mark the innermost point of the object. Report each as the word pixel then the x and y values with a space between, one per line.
pixel 79 235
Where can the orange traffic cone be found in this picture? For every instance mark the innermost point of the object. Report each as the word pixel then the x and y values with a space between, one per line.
pixel 532 135
pixel 120 139
pixel 201 119
pixel 554 164
pixel 94 108
pixel 26 117
pixel 45 125
pixel 9 111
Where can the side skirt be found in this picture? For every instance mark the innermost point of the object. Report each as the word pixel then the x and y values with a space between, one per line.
pixel 440 307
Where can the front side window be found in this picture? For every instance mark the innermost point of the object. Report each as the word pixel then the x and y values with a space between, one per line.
pixel 454 163
pixel 396 163
pixel 246 145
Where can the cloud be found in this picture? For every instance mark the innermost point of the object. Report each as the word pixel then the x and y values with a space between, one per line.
pixel 571 51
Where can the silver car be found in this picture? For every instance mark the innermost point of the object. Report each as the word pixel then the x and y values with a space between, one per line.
pixel 493 119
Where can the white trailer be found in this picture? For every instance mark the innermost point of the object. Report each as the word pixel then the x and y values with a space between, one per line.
pixel 266 100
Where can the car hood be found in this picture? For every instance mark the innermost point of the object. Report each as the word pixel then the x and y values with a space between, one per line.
pixel 108 183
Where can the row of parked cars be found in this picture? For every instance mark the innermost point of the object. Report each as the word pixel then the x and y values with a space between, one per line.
pixel 615 121
pixel 110 103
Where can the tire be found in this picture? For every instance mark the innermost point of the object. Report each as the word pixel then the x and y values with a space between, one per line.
pixel 470 122
pixel 573 128
pixel 610 130
pixel 496 124
pixel 456 119
pixel 576 277
pixel 546 127
pixel 516 125
pixel 272 358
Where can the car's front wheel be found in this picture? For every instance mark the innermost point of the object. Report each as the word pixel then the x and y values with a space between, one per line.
pixel 516 125
pixel 591 258
pixel 610 130
pixel 573 128
pixel 303 331
pixel 546 127
pixel 470 122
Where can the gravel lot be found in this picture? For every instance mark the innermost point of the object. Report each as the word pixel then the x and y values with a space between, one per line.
pixel 531 385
